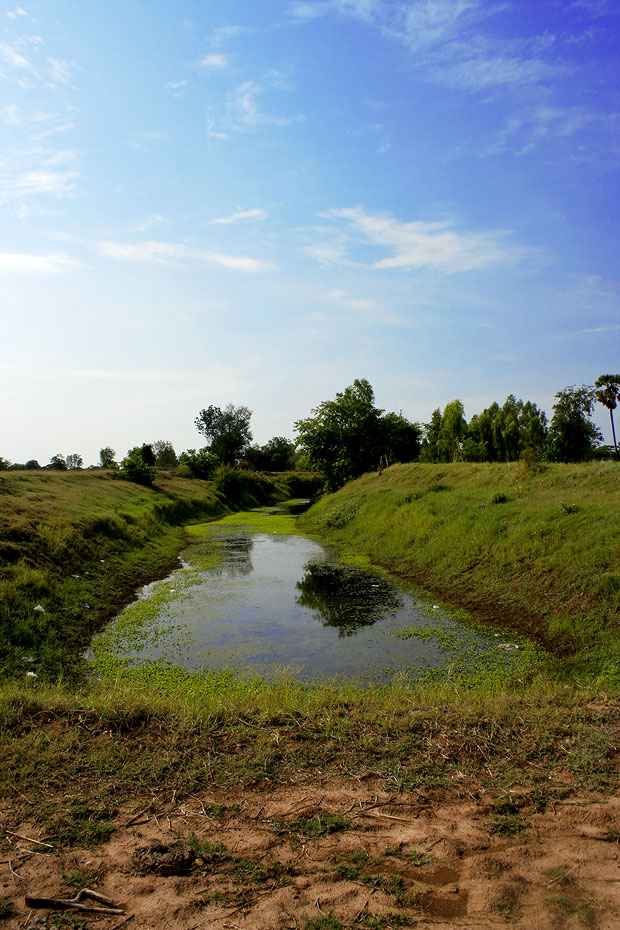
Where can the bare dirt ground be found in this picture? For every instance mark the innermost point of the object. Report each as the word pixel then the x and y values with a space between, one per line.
pixel 340 854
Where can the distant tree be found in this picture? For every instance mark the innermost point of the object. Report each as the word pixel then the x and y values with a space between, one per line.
pixel 401 438
pixel 31 465
pixel 165 456
pixel 343 437
pixel 572 434
pixel 451 432
pixel 607 392
pixel 4 464
pixel 148 455
pixel 505 432
pixel 107 457
pixel 276 455
pixel 227 431
pixel 57 462
pixel 74 461
pixel 136 468
pixel 429 450
pixel 201 464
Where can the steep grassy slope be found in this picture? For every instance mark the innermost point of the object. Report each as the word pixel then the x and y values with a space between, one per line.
pixel 75 545
pixel 537 549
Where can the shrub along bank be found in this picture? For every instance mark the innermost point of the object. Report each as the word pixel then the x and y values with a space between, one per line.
pixel 529 547
pixel 74 546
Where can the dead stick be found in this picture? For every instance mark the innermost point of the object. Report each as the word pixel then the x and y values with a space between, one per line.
pixel 64 905
pixel 28 839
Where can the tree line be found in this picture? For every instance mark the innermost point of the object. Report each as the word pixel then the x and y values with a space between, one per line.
pixel 349 435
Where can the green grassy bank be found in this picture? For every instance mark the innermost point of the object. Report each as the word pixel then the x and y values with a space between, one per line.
pixel 537 549
pixel 534 549
pixel 74 547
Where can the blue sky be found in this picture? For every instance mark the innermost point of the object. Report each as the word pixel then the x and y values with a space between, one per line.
pixel 259 201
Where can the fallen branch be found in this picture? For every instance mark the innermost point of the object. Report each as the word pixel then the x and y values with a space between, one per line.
pixel 65 904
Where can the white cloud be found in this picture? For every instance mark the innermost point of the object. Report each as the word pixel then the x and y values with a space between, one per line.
pixel 410 246
pixel 18 11
pixel 23 263
pixel 243 111
pixel 177 87
pixel 155 219
pixel 224 33
pixel 533 126
pixel 14 59
pixel 371 311
pixel 175 253
pixel 57 184
pixel 60 71
pixel 215 61
pixel 253 215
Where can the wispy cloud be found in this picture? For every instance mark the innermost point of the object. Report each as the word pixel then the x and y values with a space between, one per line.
pixel 531 127
pixel 215 61
pixel 155 219
pixel 436 246
pixel 14 60
pixel 244 112
pixel 178 253
pixel 252 215
pixel 24 263
pixel 365 308
pixel 16 13
pixel 449 40
pixel 225 33
pixel 60 71
pixel 28 184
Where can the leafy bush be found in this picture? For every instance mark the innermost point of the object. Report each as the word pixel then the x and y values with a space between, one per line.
pixel 135 468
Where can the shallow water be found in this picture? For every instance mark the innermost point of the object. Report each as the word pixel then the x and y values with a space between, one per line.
pixel 279 602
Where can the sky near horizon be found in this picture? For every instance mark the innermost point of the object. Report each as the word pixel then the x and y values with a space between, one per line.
pixel 258 201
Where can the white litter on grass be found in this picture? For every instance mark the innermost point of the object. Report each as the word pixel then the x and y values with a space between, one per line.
pixel 31 675
pixel 40 609
pixel 507 646
pixel 75 576
pixel 102 560
pixel 435 606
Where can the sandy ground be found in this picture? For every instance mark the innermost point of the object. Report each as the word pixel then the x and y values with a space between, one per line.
pixel 424 859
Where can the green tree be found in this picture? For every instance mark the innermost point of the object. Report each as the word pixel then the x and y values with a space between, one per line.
pixel 165 456
pixel 74 460
pixel 136 468
pixel 572 434
pixel 276 455
pixel 4 464
pixel 343 438
pixel 107 457
pixel 57 462
pixel 227 431
pixel 201 464
pixel 31 465
pixel 607 393
pixel 452 431
pixel 401 438
pixel 429 450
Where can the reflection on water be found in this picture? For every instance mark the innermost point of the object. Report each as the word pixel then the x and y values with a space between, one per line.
pixel 346 598
pixel 257 611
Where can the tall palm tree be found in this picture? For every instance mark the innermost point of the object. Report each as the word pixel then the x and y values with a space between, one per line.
pixel 607 392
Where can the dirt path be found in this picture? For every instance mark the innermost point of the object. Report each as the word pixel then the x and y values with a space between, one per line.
pixel 342 854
